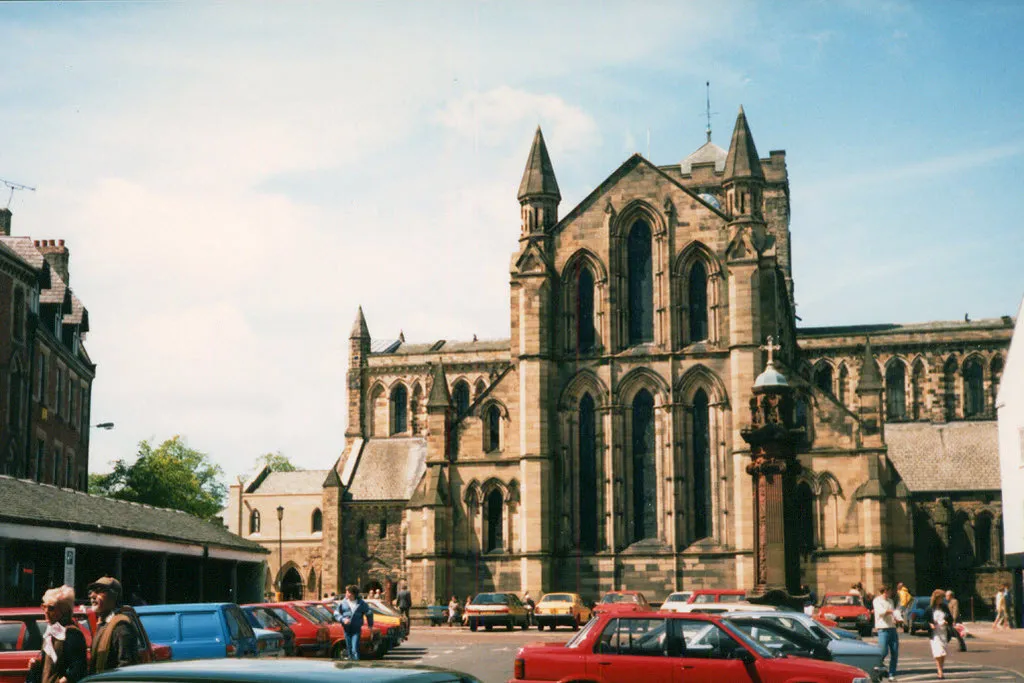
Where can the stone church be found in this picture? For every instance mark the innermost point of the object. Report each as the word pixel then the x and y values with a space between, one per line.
pixel 599 447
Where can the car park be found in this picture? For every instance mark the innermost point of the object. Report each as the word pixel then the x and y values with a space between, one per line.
pixel 497 609
pixel 675 600
pixel 264 618
pixel 203 630
pixel 665 646
pixel 847 610
pixel 622 601
pixel 915 617
pixel 561 609
pixel 312 637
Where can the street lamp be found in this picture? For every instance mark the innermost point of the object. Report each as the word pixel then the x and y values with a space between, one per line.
pixel 280 561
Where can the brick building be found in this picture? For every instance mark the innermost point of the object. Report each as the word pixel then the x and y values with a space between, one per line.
pixel 599 447
pixel 46 377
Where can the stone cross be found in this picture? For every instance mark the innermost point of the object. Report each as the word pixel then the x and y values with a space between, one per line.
pixel 769 347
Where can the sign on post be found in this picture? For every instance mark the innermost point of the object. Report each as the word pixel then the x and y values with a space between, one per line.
pixel 69 567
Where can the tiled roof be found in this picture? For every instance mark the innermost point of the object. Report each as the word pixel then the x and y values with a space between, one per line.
pixel 77 314
pixel 299 481
pixel 388 469
pixel 954 456
pixel 25 248
pixel 393 346
pixel 27 502
pixel 930 326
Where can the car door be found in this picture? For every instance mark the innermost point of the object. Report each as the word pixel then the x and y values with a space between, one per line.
pixel 630 650
pixel 703 652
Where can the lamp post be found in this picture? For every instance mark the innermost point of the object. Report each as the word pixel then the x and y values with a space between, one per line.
pixel 280 560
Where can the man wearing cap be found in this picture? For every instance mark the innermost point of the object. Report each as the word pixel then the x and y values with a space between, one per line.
pixel 115 643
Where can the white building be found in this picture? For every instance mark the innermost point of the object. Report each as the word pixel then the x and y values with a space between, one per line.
pixel 1010 411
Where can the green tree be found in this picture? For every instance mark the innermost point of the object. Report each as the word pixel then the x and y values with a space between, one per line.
pixel 172 475
pixel 278 462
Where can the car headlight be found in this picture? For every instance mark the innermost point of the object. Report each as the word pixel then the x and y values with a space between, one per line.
pixel 831 617
pixel 862 617
pixel 861 679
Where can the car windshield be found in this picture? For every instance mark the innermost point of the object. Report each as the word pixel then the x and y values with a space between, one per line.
pixel 619 597
pixel 382 607
pixel 582 635
pixel 752 644
pixel 322 611
pixel 557 597
pixel 490 599
pixel 842 600
pixel 284 616
pixel 678 597
pixel 312 616
pixel 764 632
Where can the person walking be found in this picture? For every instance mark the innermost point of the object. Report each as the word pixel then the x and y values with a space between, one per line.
pixel 63 657
pixel 403 600
pixel 954 610
pixel 115 643
pixel 885 624
pixel 531 606
pixel 1002 620
pixel 454 612
pixel 351 613
pixel 941 623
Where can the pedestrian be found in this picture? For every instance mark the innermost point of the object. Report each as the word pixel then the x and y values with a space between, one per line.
pixel 465 612
pixel 351 613
pixel 1002 620
pixel 63 656
pixel 454 612
pixel 857 589
pixel 904 597
pixel 403 600
pixel 954 609
pixel 530 607
pixel 941 623
pixel 115 643
pixel 885 624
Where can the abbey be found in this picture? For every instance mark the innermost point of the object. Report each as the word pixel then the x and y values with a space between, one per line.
pixel 599 447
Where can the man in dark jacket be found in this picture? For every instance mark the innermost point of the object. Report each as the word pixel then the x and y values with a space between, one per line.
pixel 351 613
pixel 403 600
pixel 115 643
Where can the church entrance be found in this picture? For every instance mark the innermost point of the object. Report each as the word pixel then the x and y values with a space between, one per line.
pixel 291 585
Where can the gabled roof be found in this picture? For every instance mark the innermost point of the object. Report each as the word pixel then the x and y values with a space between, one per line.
pixel 955 456
pixel 539 175
pixel 388 469
pixel 707 153
pixel 284 483
pixel 743 161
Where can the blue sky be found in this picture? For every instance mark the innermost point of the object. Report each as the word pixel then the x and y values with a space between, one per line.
pixel 234 178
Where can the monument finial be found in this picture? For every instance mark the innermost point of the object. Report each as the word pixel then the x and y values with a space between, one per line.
pixel 770 348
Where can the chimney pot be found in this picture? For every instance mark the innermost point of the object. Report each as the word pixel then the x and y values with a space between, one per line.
pixel 60 242
pixel 36 242
pixel 53 243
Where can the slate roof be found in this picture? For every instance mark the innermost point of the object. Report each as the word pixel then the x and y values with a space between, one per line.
pixel 399 348
pixel 707 153
pixel 388 469
pixel 539 175
pixel 742 160
pixel 27 502
pixel 300 481
pixel 876 329
pixel 954 456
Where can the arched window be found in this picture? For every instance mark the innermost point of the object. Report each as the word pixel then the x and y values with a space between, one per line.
pixel 949 388
pixel 983 538
pixel 493 428
pixel 399 410
pixel 362 529
pixel 823 377
pixel 317 523
pixel 698 302
pixel 917 389
pixel 460 397
pixel 805 513
pixel 414 408
pixel 479 388
pixel 585 333
pixel 996 372
pixel 493 541
pixel 254 522
pixel 641 284
pixel 645 511
pixel 588 473
pixel 844 381
pixel 974 388
pixel 895 392
pixel 382 530
pixel 311 583
pixel 701 444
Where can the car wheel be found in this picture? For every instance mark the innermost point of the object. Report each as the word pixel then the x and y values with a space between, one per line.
pixel 472 625
pixel 525 625
pixel 540 626
pixel 489 626
pixel 339 651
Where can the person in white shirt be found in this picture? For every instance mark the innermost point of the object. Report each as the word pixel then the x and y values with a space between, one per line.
pixel 885 624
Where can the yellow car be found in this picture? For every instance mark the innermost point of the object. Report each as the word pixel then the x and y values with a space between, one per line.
pixel 385 615
pixel 561 608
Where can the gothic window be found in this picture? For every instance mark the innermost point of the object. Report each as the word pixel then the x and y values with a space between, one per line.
pixel 493 429
pixel 254 522
pixel 382 530
pixel 460 397
pixel 494 505
pixel 844 381
pixel 974 388
pixel 823 377
pixel 645 517
pixel 949 388
pixel 588 474
pixel 996 372
pixel 414 408
pixel 983 538
pixel 585 334
pixel 317 521
pixel 917 389
pixel 701 444
pixel 895 392
pixel 399 409
pixel 804 519
pixel 479 388
pixel 362 530
pixel 698 302
pixel 641 284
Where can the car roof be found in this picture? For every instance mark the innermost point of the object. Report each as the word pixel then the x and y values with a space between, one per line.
pixel 571 595
pixel 623 593
pixel 182 607
pixel 268 671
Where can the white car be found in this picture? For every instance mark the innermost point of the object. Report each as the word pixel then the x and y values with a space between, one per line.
pixel 676 600
pixel 721 607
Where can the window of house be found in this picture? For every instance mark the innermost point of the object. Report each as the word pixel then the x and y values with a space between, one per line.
pixel 701 443
pixel 55 474
pixel 823 377
pixel 41 386
pixel 69 470
pixel 588 473
pixel 317 521
pixel 399 410
pixel 70 399
pixel 15 391
pixel 254 522
pixel 698 302
pixel 949 388
pixel 640 288
pixel 983 538
pixel 917 389
pixel 895 393
pixel 585 333
pixel 844 381
pixel 84 408
pixel 59 391
pixel 460 397
pixel 495 522
pixel 493 428
pixel 974 388
pixel 645 514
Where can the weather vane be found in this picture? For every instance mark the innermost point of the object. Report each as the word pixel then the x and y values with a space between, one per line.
pixel 12 186
pixel 707 110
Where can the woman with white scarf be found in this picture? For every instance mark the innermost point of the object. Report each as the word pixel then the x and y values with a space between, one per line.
pixel 63 658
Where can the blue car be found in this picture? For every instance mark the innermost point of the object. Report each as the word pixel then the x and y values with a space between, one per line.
pixel 212 630
pixel 916 616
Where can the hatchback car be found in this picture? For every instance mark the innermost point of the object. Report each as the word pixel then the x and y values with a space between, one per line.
pixel 675 600
pixel 497 609
pixel 312 637
pixel 622 601
pixel 203 630
pixel 556 609
pixel 847 610
pixel 915 616
pixel 264 618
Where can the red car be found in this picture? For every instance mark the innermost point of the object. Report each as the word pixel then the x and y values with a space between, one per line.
pixel 622 601
pixel 312 637
pixel 848 611
pixel 371 641
pixel 669 647
pixel 21 637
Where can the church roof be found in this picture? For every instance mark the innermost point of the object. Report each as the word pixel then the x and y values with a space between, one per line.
pixel 742 160
pixel 539 175
pixel 954 456
pixel 359 328
pixel 299 481
pixel 401 348
pixel 388 469
pixel 707 153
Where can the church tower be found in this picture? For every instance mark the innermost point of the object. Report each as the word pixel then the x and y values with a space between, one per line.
pixel 358 354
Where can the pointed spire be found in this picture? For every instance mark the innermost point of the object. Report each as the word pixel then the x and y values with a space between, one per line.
pixel 439 395
pixel 742 161
pixel 401 337
pixel 359 328
pixel 539 176
pixel 870 378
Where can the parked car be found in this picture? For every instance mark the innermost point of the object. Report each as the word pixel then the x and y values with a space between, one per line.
pixel 622 601
pixel 856 653
pixel 264 617
pixel 675 600
pixel 371 642
pixel 721 608
pixel 916 616
pixel 268 643
pixel 201 630
pixel 665 646
pixel 561 608
pixel 717 595
pixel 847 610
pixel 501 609
pixel 312 637
pixel 397 624
pixel 262 671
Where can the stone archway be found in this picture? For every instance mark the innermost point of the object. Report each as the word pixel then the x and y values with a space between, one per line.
pixel 291 585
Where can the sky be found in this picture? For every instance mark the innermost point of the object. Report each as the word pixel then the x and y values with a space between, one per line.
pixel 233 179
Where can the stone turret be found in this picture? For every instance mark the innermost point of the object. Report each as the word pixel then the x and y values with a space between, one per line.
pixel 744 177
pixel 538 192
pixel 359 352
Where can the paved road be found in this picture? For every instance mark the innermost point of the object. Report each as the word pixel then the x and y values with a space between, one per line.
pixel 489 655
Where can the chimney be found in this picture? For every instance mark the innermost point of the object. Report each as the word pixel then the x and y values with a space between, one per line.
pixel 57 255
pixel 5 222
